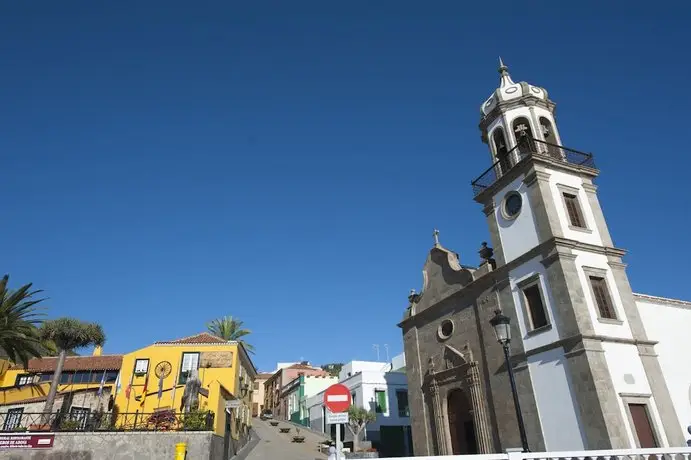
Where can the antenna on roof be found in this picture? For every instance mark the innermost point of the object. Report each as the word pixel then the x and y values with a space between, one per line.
pixel 386 347
pixel 376 348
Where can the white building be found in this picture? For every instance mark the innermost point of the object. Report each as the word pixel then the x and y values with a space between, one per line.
pixel 596 366
pixel 376 387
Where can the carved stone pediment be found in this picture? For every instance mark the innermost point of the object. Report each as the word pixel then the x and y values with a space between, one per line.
pixel 454 358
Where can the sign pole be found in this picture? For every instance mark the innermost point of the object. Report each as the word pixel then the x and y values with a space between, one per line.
pixel 339 443
pixel 337 399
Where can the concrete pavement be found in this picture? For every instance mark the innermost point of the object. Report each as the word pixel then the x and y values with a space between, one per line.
pixel 273 445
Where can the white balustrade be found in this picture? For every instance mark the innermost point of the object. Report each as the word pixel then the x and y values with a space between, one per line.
pixel 665 453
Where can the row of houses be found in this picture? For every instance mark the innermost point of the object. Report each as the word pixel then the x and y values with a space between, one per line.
pixel 295 392
pixel 136 390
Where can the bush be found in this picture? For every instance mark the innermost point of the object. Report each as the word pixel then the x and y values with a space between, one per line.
pixel 196 421
pixel 70 425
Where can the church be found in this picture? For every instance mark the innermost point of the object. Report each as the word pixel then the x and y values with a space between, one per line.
pixel 596 366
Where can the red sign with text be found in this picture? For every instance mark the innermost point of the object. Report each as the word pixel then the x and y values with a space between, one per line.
pixel 26 441
pixel 337 398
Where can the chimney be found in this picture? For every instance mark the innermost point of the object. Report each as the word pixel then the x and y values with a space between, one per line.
pixel 98 351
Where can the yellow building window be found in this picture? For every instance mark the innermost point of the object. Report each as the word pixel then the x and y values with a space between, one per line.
pixel 190 361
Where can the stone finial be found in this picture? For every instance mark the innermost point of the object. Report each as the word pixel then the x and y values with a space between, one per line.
pixel 486 252
pixel 502 67
pixel 435 235
pixel 505 78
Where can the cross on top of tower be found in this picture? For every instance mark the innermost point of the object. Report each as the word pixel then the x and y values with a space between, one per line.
pixel 435 234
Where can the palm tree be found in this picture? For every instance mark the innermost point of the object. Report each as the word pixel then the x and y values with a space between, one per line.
pixel 68 334
pixel 229 328
pixel 19 337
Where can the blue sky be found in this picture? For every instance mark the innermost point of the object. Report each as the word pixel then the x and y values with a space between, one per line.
pixel 165 164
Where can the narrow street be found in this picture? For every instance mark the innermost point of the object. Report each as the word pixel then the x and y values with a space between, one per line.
pixel 275 445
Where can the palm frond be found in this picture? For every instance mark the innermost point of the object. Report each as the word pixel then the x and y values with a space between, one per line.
pixel 19 318
pixel 229 328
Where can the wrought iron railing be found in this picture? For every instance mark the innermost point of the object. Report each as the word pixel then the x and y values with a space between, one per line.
pixel 527 147
pixel 84 420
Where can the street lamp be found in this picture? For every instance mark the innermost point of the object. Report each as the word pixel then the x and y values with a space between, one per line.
pixel 502 329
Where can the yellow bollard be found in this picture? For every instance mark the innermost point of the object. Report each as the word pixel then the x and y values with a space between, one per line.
pixel 180 450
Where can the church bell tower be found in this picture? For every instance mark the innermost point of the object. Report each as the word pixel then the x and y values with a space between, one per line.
pixel 566 285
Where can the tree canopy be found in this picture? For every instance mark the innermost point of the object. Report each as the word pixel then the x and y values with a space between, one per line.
pixel 69 334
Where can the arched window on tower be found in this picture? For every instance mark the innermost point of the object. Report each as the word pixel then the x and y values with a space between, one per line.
pixel 501 150
pixel 524 136
pixel 550 137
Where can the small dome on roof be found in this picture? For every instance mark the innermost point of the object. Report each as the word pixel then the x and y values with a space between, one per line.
pixel 509 91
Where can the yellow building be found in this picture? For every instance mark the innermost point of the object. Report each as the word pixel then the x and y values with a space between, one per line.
pixel 153 379
pixel 79 373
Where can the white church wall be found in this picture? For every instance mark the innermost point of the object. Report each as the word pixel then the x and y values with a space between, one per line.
pixel 599 261
pixel 555 398
pixel 518 274
pixel 629 379
pixel 670 325
pixel 517 235
pixel 591 235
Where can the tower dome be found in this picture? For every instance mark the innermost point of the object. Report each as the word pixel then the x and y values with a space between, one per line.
pixel 509 91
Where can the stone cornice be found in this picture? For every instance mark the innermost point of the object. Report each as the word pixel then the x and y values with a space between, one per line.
pixel 581 246
pixel 524 166
pixel 575 340
pixel 503 106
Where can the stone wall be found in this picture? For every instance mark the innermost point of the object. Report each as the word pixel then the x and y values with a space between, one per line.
pixel 88 399
pixel 123 446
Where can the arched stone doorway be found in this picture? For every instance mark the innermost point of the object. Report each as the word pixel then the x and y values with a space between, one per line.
pixel 458 417
pixel 461 425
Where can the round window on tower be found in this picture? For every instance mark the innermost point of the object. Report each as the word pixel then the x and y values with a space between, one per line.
pixel 512 204
pixel 445 329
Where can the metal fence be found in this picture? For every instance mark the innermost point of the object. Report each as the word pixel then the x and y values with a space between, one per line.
pixel 528 147
pixel 85 420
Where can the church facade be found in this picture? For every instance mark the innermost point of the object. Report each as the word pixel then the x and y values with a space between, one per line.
pixel 596 366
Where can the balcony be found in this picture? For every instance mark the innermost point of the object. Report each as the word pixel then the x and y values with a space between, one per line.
pixel 526 148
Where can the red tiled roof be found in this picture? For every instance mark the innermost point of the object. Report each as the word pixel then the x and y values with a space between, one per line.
pixel 76 363
pixel 203 337
pixel 263 375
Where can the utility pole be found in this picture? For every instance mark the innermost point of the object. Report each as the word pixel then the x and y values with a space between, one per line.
pixel 376 348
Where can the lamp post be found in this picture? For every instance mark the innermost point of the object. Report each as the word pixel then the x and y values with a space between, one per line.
pixel 502 329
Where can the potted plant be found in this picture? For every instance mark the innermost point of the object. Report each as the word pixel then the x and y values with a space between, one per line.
pixel 297 437
pixel 284 429
pixel 19 429
pixel 273 423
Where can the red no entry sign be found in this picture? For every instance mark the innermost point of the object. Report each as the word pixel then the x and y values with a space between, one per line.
pixel 337 398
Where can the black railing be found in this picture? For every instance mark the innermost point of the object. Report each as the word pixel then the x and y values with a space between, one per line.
pixel 85 420
pixel 528 147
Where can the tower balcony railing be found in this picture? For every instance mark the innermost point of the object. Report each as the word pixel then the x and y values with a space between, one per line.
pixel 527 147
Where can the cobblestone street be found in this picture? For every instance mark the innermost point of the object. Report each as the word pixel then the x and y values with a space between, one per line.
pixel 274 445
